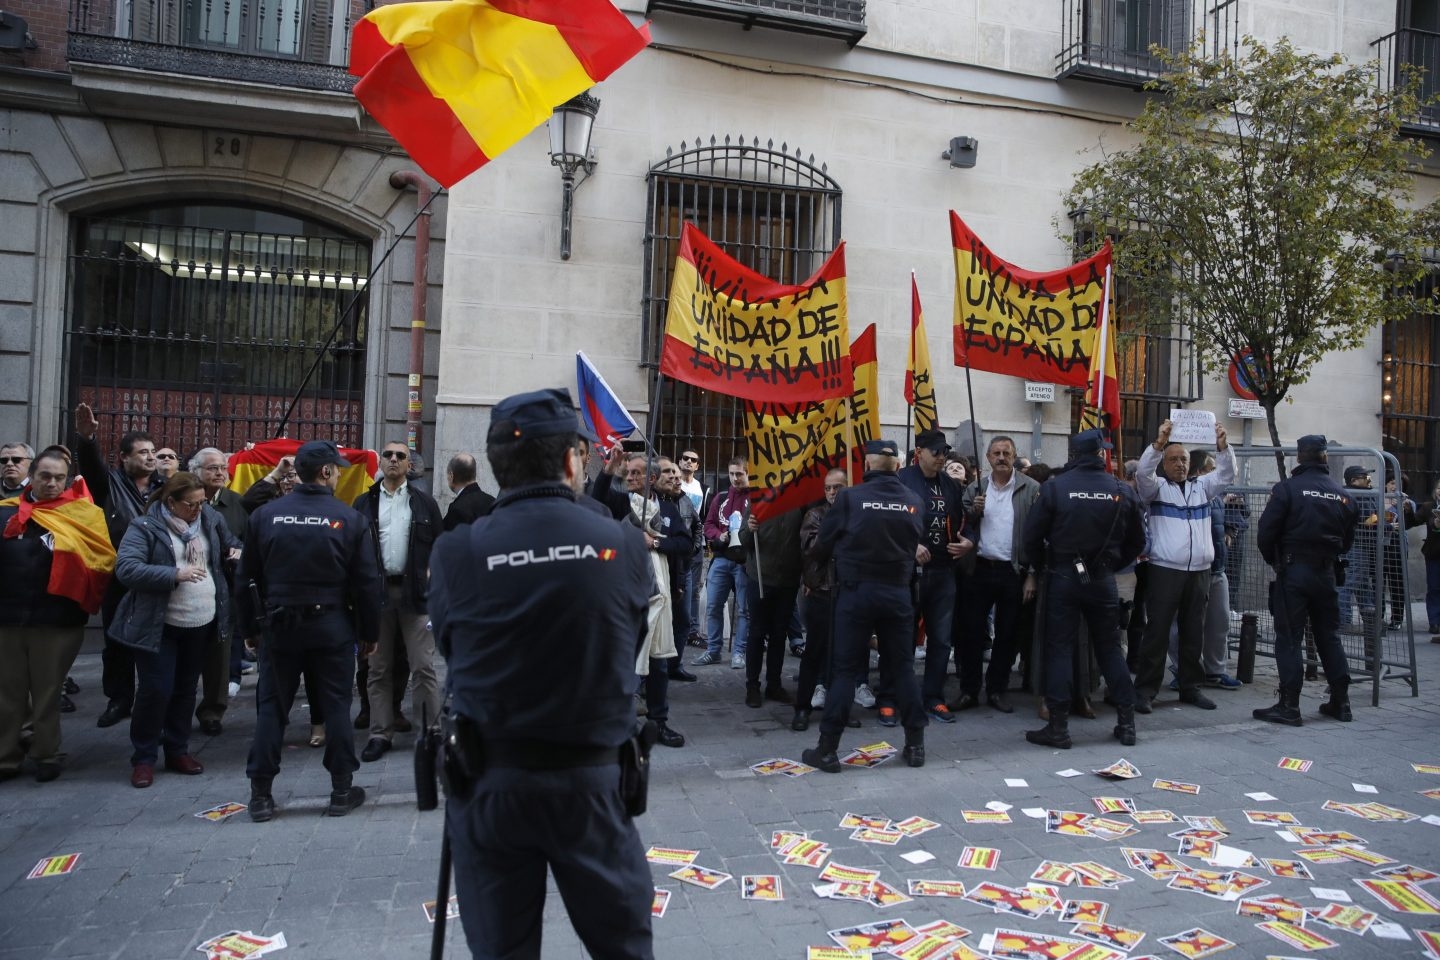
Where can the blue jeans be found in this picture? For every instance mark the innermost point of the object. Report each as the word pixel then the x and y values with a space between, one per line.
pixel 165 692
pixel 692 595
pixel 937 607
pixel 726 576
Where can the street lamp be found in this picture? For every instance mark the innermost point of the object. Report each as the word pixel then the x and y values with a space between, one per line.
pixel 570 128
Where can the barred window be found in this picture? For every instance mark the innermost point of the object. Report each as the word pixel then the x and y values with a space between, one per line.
pixel 773 211
pixel 1410 391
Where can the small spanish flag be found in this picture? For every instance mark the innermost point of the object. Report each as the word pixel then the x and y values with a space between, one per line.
pixel 457 82
pixel 83 559
pixel 251 466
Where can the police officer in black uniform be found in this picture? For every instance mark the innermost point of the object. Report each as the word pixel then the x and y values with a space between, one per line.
pixel 872 532
pixel 1307 526
pixel 534 753
pixel 1086 524
pixel 317 580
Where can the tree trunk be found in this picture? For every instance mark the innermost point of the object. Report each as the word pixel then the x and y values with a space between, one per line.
pixel 1269 406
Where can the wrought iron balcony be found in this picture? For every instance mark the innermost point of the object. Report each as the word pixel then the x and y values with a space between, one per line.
pixel 290 43
pixel 842 19
pixel 1417 50
pixel 1111 40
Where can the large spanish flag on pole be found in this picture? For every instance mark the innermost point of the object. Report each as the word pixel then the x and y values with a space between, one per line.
pixel 82 558
pixel 731 330
pixel 248 467
pixel 1102 390
pixel 919 383
pixel 1040 325
pixel 793 446
pixel 457 82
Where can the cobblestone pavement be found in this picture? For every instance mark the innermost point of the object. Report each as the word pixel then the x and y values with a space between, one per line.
pixel 153 881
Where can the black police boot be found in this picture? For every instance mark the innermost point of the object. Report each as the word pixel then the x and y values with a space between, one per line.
pixel 1338 706
pixel 823 756
pixel 343 797
pixel 1056 733
pixel 667 737
pixel 1125 725
pixel 1286 710
pixel 914 752
pixel 752 695
pixel 801 721
pixel 262 805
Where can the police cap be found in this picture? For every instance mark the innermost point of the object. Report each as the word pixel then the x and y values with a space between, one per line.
pixel 1089 442
pixel 316 454
pixel 539 413
pixel 1310 446
pixel 881 448
pixel 932 440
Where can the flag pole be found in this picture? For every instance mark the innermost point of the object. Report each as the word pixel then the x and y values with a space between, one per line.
pixel 974 433
pixel 910 373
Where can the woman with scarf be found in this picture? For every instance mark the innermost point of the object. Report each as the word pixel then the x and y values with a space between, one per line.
pixel 172 563
pixel 55 563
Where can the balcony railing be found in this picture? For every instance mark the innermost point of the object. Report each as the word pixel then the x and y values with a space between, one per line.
pixel 291 43
pixel 1417 50
pixel 842 19
pixel 1111 40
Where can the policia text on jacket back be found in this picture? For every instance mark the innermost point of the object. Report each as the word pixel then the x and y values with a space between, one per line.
pixel 536 778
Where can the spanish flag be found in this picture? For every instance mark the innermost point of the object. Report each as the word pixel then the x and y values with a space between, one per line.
pixel 457 82
pixel 251 466
pixel 1102 390
pixel 734 331
pixel 83 557
pixel 919 384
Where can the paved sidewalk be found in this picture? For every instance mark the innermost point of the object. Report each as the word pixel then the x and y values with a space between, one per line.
pixel 153 881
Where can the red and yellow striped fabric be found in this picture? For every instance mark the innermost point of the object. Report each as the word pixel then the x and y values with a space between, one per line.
pixel 457 82
pixel 250 466
pixel 83 559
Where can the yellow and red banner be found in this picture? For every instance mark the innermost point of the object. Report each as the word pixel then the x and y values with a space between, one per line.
pixel 793 446
pixel 731 330
pixel 248 467
pixel 1102 390
pixel 1039 325
pixel 919 383
pixel 457 82
pixel 83 558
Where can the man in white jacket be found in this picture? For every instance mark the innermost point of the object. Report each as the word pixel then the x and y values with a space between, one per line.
pixel 1181 551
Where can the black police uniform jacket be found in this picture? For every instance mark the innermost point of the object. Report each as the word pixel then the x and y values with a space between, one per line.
pixel 539 610
pixel 309 549
pixel 872 531
pixel 1309 516
pixel 425 525
pixel 1084 512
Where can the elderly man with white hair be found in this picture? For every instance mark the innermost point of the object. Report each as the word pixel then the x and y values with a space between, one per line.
pixel 220 679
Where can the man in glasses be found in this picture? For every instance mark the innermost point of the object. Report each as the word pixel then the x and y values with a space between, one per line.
pixel 14 468
pixel 123 493
pixel 699 494
pixel 405 521
pixel 220 672
pixel 167 462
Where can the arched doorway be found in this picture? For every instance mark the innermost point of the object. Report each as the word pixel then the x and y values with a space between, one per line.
pixel 202 323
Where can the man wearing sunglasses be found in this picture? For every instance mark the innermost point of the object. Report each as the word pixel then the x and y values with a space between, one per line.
pixel 404 522
pixel 14 468
pixel 699 494
pixel 167 461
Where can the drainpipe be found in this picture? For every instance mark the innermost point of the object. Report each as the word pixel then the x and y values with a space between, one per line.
pixel 414 428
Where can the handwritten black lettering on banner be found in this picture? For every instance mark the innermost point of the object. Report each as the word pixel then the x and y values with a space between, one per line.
pixel 731 330
pixel 1025 323
pixel 926 413
pixel 793 446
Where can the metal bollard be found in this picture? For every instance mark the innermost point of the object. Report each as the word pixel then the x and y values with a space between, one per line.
pixel 1245 659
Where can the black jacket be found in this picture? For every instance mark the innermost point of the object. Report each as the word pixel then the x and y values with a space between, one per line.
pixel 1085 513
pixel 113 490
pixel 1309 517
pixel 425 526
pixel 25 582
pixel 542 581
pixel 953 509
pixel 469 505
pixel 778 538
pixel 872 531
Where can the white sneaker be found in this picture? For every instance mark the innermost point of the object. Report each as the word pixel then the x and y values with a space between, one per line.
pixel 234 689
pixel 737 661
pixel 919 654
pixel 817 699
pixel 863 696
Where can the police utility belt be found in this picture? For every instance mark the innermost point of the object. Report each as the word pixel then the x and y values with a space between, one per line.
pixel 468 753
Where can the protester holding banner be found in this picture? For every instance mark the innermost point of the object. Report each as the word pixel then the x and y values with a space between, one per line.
pixel 819 586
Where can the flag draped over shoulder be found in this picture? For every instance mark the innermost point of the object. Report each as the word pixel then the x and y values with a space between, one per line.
pixel 1025 323
pixel 792 446
pixel 83 559
pixel 919 383
pixel 1102 390
pixel 602 411
pixel 730 330
pixel 457 82
pixel 250 466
